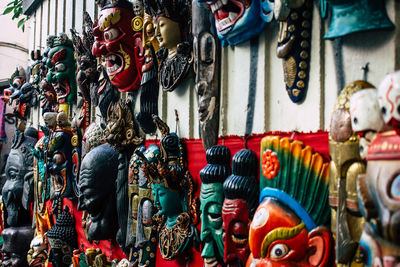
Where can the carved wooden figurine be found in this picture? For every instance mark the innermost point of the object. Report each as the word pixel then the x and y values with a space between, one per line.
pixel 379 199
pixel 207 52
pixel 173 191
pixel 345 167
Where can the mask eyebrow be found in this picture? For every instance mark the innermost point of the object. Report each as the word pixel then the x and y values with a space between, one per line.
pixel 281 233
pixel 111 19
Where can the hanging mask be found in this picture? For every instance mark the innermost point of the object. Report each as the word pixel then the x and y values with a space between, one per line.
pixel 355 16
pixel 237 21
pixel 118 41
pixel 389 100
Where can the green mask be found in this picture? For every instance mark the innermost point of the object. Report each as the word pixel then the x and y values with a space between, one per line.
pixel 168 202
pixel 62 66
pixel 211 200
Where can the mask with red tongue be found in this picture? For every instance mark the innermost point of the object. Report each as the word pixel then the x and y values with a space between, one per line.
pixel 118 41
pixel 239 20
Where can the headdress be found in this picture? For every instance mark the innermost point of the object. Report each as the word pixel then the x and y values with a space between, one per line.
pixel 218 165
pixel 242 183
pixel 297 177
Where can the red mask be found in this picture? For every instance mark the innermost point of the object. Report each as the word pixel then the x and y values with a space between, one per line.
pixel 235 214
pixel 120 47
pixel 279 238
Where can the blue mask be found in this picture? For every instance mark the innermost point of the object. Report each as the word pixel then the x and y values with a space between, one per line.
pixel 237 21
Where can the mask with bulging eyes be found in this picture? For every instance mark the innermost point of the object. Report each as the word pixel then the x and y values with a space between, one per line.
pixel 366 117
pixel 239 20
pixel 389 100
pixel 118 41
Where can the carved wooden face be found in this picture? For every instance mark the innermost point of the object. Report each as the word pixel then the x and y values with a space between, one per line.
pixel 389 100
pixel 13 188
pixel 366 118
pixel 383 181
pixel 120 47
pixel 235 214
pixel 163 197
pixel 61 75
pixel 376 251
pixel 211 200
pixel 167 32
pixel 278 237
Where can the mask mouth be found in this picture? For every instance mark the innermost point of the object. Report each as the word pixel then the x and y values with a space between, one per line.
pixel 114 63
pixel 62 90
pixel 210 262
pixel 226 13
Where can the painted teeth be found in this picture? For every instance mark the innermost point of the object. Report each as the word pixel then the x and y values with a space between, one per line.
pixel 113 68
pixel 112 57
pixel 228 20
pixel 217 5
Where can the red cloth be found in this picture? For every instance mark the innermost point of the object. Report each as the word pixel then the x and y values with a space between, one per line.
pixel 196 159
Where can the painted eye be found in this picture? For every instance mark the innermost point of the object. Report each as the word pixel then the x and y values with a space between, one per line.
pixel 16 84
pixel 111 34
pixel 279 251
pixel 60 67
pixel 395 188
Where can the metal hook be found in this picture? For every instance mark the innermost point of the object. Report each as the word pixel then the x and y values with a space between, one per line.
pixel 176 121
pixel 365 70
pixel 245 138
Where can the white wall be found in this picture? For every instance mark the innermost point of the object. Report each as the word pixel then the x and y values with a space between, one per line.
pixel 273 108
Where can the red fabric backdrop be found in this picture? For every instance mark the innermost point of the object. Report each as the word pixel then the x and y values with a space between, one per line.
pixel 196 161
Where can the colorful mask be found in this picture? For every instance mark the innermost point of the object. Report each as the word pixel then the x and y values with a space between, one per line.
pixel 140 229
pixel 379 198
pixel 149 85
pixel 241 196
pixel 49 97
pixel 355 16
pixel 172 20
pixel 16 242
pixel 98 198
pixel 211 200
pixel 121 131
pixel 171 182
pixel 87 76
pixel 206 65
pixel 62 66
pixel 293 204
pixel 62 240
pixel 37 254
pixel 345 167
pixel 389 100
pixel 366 117
pixel 60 165
pixel 17 192
pixel 237 21
pixel 294 44
pixel 118 41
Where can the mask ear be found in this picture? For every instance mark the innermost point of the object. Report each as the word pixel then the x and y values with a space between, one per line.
pixel 27 195
pixel 320 245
